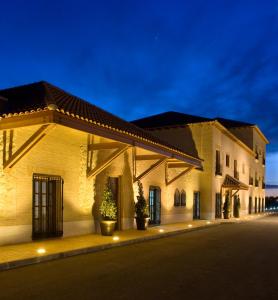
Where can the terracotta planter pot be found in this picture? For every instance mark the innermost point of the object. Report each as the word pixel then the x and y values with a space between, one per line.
pixel 107 227
pixel 142 223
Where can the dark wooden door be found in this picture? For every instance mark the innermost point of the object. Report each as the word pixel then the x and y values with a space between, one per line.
pixel 196 205
pixel 250 206
pixel 155 205
pixel 256 205
pixel 47 206
pixel 218 206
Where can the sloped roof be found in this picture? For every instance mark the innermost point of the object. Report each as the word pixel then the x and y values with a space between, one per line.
pixel 40 95
pixel 232 123
pixel 170 118
pixel 231 182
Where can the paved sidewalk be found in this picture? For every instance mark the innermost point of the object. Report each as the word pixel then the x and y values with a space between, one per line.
pixel 12 256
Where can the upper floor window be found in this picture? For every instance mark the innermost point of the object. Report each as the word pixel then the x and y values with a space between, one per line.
pixel 236 175
pixel 183 198
pixel 256 152
pixel 243 168
pixel 218 167
pixel 227 160
pixel 177 200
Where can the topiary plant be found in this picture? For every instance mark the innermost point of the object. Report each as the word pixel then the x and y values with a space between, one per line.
pixel 226 207
pixel 108 208
pixel 141 207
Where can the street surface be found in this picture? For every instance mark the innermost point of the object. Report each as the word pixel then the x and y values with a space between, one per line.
pixel 231 261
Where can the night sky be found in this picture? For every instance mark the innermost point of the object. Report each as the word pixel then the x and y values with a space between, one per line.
pixel 136 58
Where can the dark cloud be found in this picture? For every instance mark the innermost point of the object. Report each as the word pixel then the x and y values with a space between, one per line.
pixel 135 58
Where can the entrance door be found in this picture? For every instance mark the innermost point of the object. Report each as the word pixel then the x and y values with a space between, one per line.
pixel 47 206
pixel 114 185
pixel 155 205
pixel 250 206
pixel 234 206
pixel 256 205
pixel 196 205
pixel 218 206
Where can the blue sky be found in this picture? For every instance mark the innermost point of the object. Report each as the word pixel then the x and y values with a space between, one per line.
pixel 135 58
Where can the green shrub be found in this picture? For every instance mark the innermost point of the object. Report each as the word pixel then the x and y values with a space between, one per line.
pixel 141 207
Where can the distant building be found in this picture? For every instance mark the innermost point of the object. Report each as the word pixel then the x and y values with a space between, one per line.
pixel 271 190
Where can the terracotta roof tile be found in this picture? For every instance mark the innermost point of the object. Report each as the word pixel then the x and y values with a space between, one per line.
pixel 42 94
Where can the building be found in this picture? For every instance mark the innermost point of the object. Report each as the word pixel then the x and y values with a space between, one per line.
pixel 233 153
pixel 57 153
pixel 271 190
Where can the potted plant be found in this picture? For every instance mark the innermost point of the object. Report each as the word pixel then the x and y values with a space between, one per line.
pixel 226 207
pixel 108 211
pixel 237 207
pixel 141 209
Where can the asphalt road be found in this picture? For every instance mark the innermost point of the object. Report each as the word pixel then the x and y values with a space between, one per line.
pixel 231 261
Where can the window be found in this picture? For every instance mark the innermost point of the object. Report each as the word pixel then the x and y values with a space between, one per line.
pixel 218 170
pixel 236 175
pixel 227 160
pixel 177 201
pixel 183 198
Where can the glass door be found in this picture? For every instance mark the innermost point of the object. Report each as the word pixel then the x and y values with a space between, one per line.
pixel 196 205
pixel 154 205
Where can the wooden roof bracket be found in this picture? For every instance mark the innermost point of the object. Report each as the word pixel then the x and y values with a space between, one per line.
pixel 160 160
pixel 37 136
pixel 187 170
pixel 108 161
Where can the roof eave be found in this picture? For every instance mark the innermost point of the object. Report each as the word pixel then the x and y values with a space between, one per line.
pixel 51 116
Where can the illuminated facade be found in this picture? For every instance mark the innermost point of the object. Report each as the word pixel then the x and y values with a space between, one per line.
pixel 58 151
pixel 233 154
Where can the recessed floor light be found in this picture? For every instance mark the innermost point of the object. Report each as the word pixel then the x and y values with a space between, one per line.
pixel 161 230
pixel 115 238
pixel 189 225
pixel 41 251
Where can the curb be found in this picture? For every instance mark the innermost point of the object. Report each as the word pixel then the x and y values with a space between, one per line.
pixel 45 258
pixel 40 259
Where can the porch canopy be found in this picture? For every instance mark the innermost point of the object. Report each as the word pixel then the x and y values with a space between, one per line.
pixel 234 184
pixel 44 104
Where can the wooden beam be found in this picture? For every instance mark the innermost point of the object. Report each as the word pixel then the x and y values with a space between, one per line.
pixel 107 162
pixel 150 169
pixel 11 143
pixel 4 146
pixel 178 176
pixel 26 147
pixel 234 193
pixel 148 157
pixel 103 146
pixel 90 141
pixel 177 165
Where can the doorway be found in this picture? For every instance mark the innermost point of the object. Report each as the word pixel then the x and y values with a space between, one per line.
pixel 114 183
pixel 250 206
pixel 196 206
pixel 47 206
pixel 155 205
pixel 218 206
